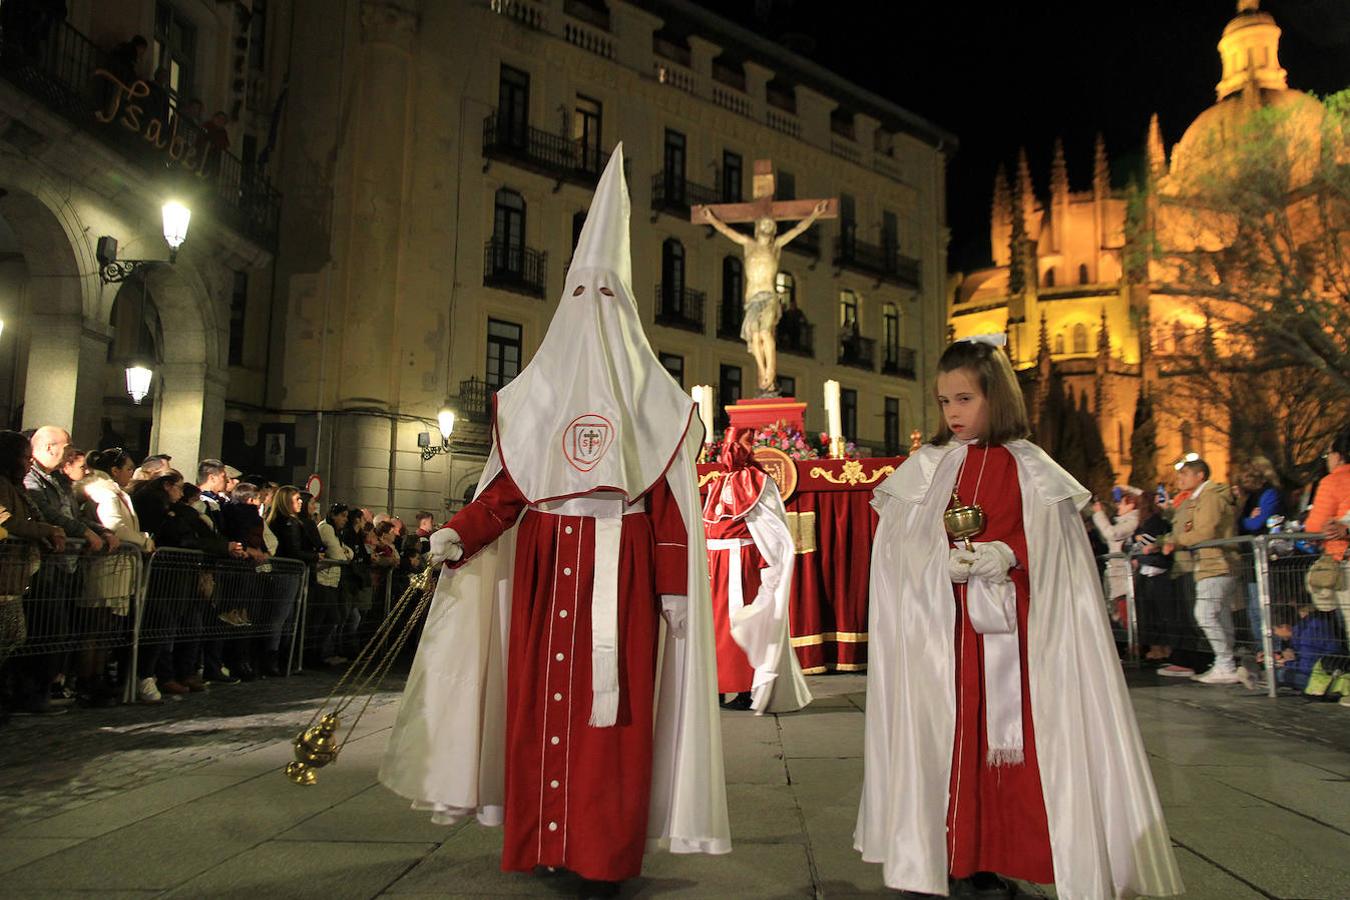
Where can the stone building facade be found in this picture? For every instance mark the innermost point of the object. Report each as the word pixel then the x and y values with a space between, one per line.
pixel 438 160
pixel 91 150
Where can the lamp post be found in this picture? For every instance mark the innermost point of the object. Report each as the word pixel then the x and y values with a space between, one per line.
pixel 176 218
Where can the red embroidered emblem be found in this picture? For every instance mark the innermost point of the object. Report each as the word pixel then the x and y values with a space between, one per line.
pixel 586 439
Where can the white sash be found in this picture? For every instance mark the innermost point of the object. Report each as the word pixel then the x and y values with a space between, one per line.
pixel 735 597
pixel 993 612
pixel 608 513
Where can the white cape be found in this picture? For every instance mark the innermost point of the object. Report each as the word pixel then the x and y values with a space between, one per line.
pixel 1107 834
pixel 447 749
pixel 761 627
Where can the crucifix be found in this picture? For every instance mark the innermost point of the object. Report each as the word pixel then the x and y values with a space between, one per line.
pixel 762 251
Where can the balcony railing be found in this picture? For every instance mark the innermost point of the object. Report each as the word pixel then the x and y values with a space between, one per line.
pixel 859 352
pixel 883 262
pixel 899 361
pixel 74 77
pixel 475 400
pixel 512 266
pixel 729 319
pixel 674 194
pixel 807 243
pixel 552 155
pixel 680 307
pixel 796 335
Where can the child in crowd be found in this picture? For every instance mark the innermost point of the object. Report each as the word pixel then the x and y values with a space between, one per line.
pixel 1000 740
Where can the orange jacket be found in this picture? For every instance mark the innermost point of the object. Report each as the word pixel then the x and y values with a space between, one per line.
pixel 1332 502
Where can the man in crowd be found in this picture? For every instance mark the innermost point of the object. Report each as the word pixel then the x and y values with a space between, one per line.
pixel 1208 513
pixel 48 605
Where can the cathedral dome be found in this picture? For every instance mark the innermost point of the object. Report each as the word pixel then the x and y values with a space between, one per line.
pixel 1252 80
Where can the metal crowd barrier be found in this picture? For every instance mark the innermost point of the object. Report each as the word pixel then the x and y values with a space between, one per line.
pixel 1268 582
pixel 74 600
pixel 129 601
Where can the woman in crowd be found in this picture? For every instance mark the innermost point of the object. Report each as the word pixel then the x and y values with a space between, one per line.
pixel 328 612
pixel 293 542
pixel 1160 614
pixel 356 586
pixel 1330 515
pixel 111 582
pixel 28 538
pixel 1115 534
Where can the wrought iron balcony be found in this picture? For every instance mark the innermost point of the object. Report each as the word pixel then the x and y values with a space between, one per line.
pixel 899 361
pixel 807 243
pixel 680 307
pixel 512 266
pixel 729 318
pixel 74 77
pixel 674 194
pixel 796 335
pixel 859 352
pixel 882 262
pixel 552 155
pixel 475 400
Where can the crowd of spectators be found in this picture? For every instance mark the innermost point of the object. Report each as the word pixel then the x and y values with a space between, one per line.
pixel 90 537
pixel 1187 590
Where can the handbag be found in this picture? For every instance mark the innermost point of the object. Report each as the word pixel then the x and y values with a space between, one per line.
pixel 1324 574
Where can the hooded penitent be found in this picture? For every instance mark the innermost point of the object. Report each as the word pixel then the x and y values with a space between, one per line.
pixel 589 432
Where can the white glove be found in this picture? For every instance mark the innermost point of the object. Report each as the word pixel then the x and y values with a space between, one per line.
pixel 446 546
pixel 675 610
pixel 959 561
pixel 992 562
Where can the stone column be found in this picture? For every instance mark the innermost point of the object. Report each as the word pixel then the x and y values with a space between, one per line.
pixel 189 410
pixel 370 250
pixel 64 384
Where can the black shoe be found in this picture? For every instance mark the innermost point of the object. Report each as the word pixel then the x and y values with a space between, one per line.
pixel 741 701
pixel 987 884
pixel 219 678
pixel 591 888
pixel 245 672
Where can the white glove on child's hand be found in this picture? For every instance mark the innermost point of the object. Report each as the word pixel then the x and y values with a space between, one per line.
pixel 959 561
pixel 993 559
pixel 446 546
pixel 675 610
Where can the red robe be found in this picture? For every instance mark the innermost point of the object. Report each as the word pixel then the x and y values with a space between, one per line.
pixel 577 797
pixel 995 815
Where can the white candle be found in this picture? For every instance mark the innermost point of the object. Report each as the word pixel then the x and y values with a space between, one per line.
pixel 833 413
pixel 703 396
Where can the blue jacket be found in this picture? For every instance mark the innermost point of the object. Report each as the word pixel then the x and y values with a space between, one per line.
pixel 1314 637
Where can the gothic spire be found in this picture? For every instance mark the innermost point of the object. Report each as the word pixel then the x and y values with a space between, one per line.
pixel 1002 209
pixel 1157 155
pixel 1101 170
pixel 1059 172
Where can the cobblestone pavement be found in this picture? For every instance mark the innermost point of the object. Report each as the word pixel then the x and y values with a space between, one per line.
pixel 187 799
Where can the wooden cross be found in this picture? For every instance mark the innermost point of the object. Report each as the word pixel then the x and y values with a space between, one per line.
pixel 762 205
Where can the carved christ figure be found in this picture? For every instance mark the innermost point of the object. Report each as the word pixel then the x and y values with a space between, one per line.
pixel 762 306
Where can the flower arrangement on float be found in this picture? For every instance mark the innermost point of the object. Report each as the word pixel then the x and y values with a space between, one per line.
pixel 789 439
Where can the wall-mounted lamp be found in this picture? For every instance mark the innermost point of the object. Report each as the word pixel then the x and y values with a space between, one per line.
pixel 445 422
pixel 111 270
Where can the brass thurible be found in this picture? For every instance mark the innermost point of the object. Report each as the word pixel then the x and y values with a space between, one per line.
pixel 963 522
pixel 319 744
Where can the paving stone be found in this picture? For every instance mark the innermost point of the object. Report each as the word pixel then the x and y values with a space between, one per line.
pixel 335 870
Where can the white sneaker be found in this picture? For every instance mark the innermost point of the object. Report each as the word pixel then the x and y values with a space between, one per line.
pixel 1344 701
pixel 1218 676
pixel 149 691
pixel 1175 671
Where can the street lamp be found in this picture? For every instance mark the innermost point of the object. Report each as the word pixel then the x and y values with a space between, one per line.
pixel 111 270
pixel 445 421
pixel 138 381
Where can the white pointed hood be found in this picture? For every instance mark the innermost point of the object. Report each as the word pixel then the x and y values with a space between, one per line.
pixel 594 409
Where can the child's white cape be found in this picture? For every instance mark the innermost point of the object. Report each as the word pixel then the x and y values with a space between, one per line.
pixel 1107 834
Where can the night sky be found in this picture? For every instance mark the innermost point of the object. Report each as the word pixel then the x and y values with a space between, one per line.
pixel 1002 75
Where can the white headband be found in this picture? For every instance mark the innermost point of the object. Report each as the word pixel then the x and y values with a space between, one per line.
pixel 993 340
